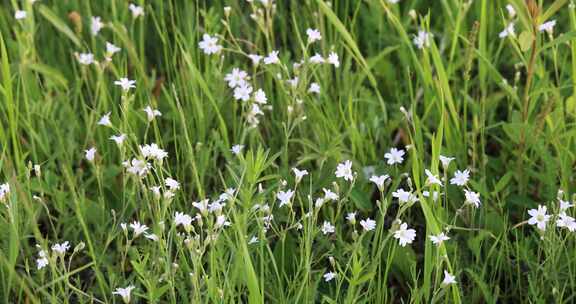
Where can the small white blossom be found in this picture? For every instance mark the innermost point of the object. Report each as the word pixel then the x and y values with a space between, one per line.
pixel 394 156
pixel 508 31
pixel 118 139
pixel 405 235
pixel 242 92
pixel 272 58
pixel 124 293
pixel 209 45
pixel 327 228
pixel 96 25
pixel 284 197
pixel 379 181
pixel 547 26
pixel 136 10
pixel 448 279
pixel 236 78
pixel 255 58
pixel 445 160
pixel 313 35
pixel 125 83
pixel 422 39
pixel 368 224
pixel 460 177
pixel 86 58
pixel 299 174
pixel 90 154
pixel 439 239
pixel 333 59
pixel 344 170
pixel 151 113
pixel 472 198
pixel 432 179
pixel 138 228
pixel 329 276
pixel 511 11
pixel 236 149
pixel 105 120
pixel 404 196
pixel 19 14
pixel 539 217
pixel 61 248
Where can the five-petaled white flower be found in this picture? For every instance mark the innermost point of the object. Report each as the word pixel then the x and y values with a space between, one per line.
pixel 317 59
pixel 314 88
pixel 138 228
pixel 432 179
pixel 448 279
pixel 124 293
pixel 90 154
pixel 313 35
pixel 368 224
pixel 183 219
pixel 344 170
pixel 511 11
pixel 405 235
pixel 422 39
pixel 136 10
pixel 445 160
pixel 119 139
pixel 472 198
pixel 460 177
pixel 566 221
pixel 125 83
pixel 439 239
pixel 96 25
pixel 404 196
pixel 284 197
pixel 508 31
pixel 236 149
pixel 333 59
pixel 153 151
pixel 255 58
pixel 379 181
pixel 272 58
pixel 299 174
pixel 539 217
pixel 151 113
pixel 547 26
pixel 86 58
pixel 351 217
pixel 327 228
pixel 236 78
pixel 61 248
pixel 209 45
pixel 19 15
pixel 394 156
pixel 111 49
pixel 329 276
pixel 105 120
pixel 242 92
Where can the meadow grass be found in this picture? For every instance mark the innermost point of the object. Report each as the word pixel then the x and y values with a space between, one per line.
pixel 404 151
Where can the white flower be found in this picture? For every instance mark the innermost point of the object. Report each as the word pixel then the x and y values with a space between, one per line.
pixel 272 58
pixel 344 170
pixel 314 88
pixel 432 179
pixel 460 177
pixel 90 154
pixel 422 40
pixel 119 139
pixel 547 26
pixel 448 279
pixel 404 196
pixel 236 149
pixel 511 11
pixel 333 59
pixel 172 183
pixel 405 235
pixel 435 195
pixel 329 195
pixel 137 167
pixel 124 293
pixel 327 228
pixel 243 92
pixel 539 217
pixel 4 191
pixel 209 45
pixel 393 1
pixel 202 206
pixel 260 97
pixel 236 78
pixel 439 239
pixel 379 181
pixel 96 25
pixel 566 221
pixel 151 113
pixel 153 151
pixel 394 156
pixel 508 31
pixel 255 58
pixel 445 160
pixel 472 198
pixel 351 217
pixel 317 59
pixel 125 83
pixel 284 197
pixel 313 35
pixel 564 205
pixel 299 174
pixel 61 248
pixel 221 222
pixel 42 260
pixel 136 10
pixel 105 120
pixel 86 58
pixel 111 49
pixel 19 14
pixel 138 228
pixel 329 276
pixel 368 224
pixel 151 236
